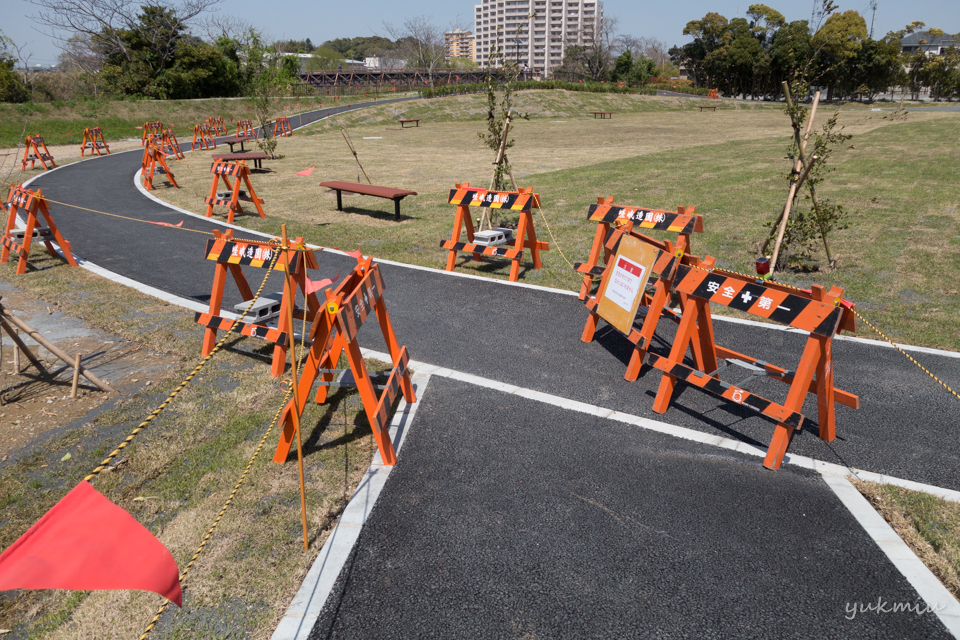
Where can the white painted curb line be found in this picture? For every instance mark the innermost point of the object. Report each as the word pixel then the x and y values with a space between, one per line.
pixel 298 621
pixel 938 598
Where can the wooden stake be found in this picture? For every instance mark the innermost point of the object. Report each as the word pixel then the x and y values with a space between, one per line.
pixel 16 353
pixel 295 414
pixel 76 377
pixel 501 157
pixel 21 347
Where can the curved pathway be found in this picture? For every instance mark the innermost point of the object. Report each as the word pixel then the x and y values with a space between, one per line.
pixel 493 442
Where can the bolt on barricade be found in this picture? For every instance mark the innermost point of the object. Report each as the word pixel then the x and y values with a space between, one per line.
pixel 233 196
pixel 333 332
pixel 36 149
pixel 820 313
pixel 526 236
pixel 29 203
pixel 93 140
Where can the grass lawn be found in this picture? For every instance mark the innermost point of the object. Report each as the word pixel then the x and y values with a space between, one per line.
pixel 177 474
pixel 900 178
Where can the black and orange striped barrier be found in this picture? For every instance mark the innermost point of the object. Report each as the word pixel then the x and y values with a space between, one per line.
pixel 333 332
pixel 30 203
pixel 282 127
pixel 233 196
pixel 683 222
pixel 93 140
pixel 202 138
pixel 169 145
pixel 245 129
pixel 154 161
pixel 217 125
pixel 526 236
pixel 36 149
pixel 230 255
pixel 820 313
pixel 150 131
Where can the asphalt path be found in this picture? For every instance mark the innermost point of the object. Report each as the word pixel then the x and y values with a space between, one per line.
pixel 906 425
pixel 508 519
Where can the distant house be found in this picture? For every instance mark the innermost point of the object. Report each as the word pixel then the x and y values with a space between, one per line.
pixel 932 46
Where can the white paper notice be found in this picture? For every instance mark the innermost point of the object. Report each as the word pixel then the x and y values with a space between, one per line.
pixel 624 285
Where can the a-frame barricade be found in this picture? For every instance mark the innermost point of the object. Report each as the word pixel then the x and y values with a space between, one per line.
pixel 154 161
pixel 217 125
pixel 233 196
pixel 819 313
pixel 202 138
pixel 36 149
pixel 170 146
pixel 525 237
pixel 29 204
pixel 230 255
pixel 150 131
pixel 334 331
pixel 655 298
pixel 608 216
pixel 282 127
pixel 93 140
pixel 245 129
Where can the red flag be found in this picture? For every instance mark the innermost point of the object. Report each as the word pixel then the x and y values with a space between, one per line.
pixel 85 542
pixel 356 255
pixel 310 285
pixel 305 172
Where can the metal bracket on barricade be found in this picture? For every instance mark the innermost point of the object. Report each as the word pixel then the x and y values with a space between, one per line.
pixel 30 203
pixel 526 236
pixel 818 312
pixel 230 255
pixel 333 332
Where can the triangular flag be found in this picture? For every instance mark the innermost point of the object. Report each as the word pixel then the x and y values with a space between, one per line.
pixel 356 255
pixel 166 224
pixel 310 286
pixel 305 172
pixel 85 542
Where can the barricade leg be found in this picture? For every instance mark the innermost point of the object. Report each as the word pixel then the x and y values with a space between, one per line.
pixel 798 392
pixel 461 219
pixel 27 241
pixel 216 297
pixel 394 347
pixel 598 240
pixel 685 333
pixel 369 398
pixel 654 310
pixel 825 392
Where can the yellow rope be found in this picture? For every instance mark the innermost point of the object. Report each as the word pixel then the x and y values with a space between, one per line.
pixel 550 231
pixel 223 509
pixel 143 425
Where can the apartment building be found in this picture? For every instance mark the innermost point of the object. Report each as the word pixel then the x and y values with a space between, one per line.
pixel 458 44
pixel 547 27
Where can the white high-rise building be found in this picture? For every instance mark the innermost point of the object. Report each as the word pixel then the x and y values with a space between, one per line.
pixel 547 27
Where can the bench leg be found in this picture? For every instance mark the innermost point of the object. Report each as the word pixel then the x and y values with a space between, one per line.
pixel 339 201
pixel 396 209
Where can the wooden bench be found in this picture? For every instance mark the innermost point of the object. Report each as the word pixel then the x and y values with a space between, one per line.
pixel 390 193
pixel 236 140
pixel 707 106
pixel 403 123
pixel 608 115
pixel 257 156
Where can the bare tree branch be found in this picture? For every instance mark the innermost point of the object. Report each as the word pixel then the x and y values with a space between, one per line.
pixel 420 42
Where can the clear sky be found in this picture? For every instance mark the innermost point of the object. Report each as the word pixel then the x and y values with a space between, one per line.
pixel 325 20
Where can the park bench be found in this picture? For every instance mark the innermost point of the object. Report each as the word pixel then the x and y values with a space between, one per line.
pixel 390 193
pixel 707 106
pixel 236 140
pixel 257 156
pixel 403 123
pixel 603 115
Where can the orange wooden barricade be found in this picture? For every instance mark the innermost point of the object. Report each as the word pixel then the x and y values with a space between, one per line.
pixel 818 313
pixel 36 149
pixel 230 255
pixel 150 130
pixel 334 331
pixel 282 127
pixel 714 94
pixel 245 129
pixel 231 198
pixel 525 236
pixel 202 138
pixel 683 222
pixel 170 146
pixel 30 203
pixel 152 157
pixel 655 299
pixel 93 140
pixel 217 125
